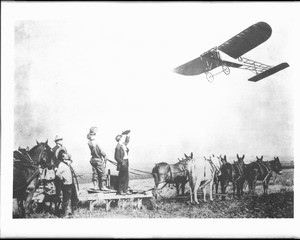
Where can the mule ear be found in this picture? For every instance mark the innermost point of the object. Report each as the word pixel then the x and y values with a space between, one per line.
pixel 191 154
pixel 185 156
pixel 243 156
pixel 213 155
pixel 46 142
pixel 262 157
pixel 225 157
pixel 237 155
pixel 257 158
pixel 37 142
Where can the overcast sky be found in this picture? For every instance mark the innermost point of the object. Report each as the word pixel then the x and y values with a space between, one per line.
pixel 112 68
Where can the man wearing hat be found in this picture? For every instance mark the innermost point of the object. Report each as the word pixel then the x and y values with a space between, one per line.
pixel 98 159
pixel 66 174
pixel 60 155
pixel 121 156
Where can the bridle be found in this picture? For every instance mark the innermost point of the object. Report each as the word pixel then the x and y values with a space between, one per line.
pixel 237 164
pixel 34 165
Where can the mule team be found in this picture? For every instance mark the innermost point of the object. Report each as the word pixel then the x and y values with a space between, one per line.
pixel 214 170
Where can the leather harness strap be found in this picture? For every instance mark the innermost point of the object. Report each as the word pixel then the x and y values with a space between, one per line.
pixel 261 164
pixel 239 169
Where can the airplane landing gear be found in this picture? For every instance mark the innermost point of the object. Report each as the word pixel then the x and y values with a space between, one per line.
pixel 209 77
pixel 225 69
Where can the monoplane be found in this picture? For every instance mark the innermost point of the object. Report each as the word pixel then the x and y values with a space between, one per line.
pixel 235 47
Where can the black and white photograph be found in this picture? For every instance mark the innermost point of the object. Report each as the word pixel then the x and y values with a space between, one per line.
pixel 149 119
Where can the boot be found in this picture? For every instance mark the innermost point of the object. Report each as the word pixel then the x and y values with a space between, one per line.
pixel 103 187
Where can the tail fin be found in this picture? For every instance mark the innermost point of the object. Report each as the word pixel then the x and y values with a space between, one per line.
pixel 269 72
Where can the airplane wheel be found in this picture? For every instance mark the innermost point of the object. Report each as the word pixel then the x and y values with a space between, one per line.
pixel 225 69
pixel 209 77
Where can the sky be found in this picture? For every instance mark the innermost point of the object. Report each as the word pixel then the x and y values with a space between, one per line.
pixel 113 69
pixel 68 66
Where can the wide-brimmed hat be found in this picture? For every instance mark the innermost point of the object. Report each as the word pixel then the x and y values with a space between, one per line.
pixel 59 152
pixel 57 138
pixel 91 136
pixel 125 132
pixel 118 137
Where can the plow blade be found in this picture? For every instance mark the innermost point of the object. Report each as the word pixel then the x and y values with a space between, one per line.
pixel 269 72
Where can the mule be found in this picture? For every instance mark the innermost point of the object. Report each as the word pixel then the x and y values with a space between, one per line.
pixel 201 172
pixel 233 173
pixel 261 171
pixel 171 174
pixel 217 178
pixel 242 167
pixel 26 174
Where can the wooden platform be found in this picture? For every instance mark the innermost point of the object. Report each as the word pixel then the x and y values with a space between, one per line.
pixel 109 196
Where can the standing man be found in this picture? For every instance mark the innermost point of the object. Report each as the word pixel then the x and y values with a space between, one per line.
pixel 94 174
pixel 66 175
pixel 58 150
pixel 121 156
pixel 98 159
pixel 60 155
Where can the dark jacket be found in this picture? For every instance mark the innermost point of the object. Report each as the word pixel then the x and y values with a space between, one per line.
pixel 119 156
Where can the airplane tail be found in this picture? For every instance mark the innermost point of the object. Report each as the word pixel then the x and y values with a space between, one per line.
pixel 269 72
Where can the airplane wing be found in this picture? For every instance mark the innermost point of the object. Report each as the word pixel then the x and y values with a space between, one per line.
pixel 199 65
pixel 246 40
pixel 191 68
pixel 202 64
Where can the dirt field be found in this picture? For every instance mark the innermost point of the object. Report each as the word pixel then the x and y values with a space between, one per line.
pixel 278 204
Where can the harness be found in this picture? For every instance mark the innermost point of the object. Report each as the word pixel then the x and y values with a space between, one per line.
pixel 177 172
pixel 48 177
pixel 261 164
pixel 213 166
pixel 239 170
pixel 30 163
